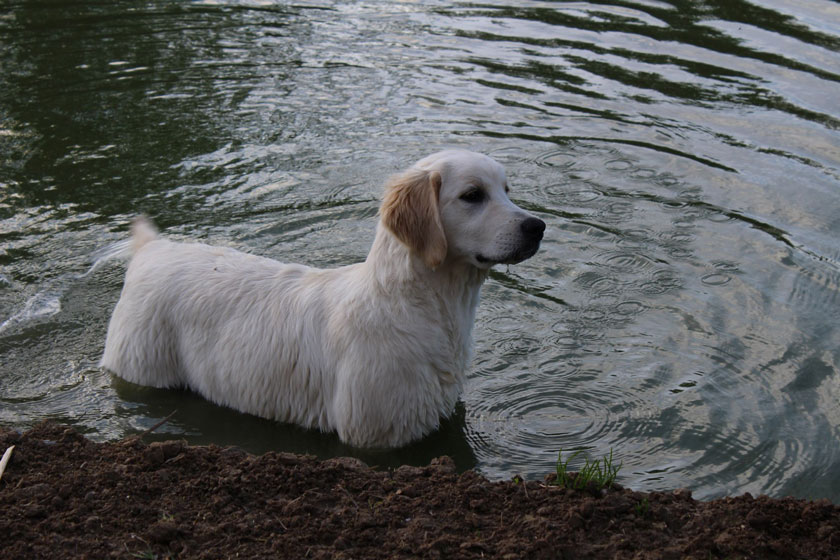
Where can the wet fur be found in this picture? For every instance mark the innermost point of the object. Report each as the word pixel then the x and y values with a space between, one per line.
pixel 376 351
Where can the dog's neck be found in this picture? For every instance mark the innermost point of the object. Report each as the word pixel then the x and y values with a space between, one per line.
pixel 393 264
pixel 452 289
pixel 449 294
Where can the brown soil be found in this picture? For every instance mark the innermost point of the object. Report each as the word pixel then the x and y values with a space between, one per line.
pixel 63 496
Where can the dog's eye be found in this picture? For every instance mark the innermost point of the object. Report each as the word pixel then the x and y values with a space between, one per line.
pixel 473 196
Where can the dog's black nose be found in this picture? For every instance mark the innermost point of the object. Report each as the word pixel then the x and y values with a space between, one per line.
pixel 533 228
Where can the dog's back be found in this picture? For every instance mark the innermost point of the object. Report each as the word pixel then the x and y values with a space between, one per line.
pixel 220 322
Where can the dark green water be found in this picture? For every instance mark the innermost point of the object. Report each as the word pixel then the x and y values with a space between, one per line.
pixel 684 310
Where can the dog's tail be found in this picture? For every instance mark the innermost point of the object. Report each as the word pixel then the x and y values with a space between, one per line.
pixel 142 231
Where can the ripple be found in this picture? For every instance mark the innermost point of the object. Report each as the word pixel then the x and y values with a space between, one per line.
pixel 715 279
pixel 519 345
pixel 674 204
pixel 528 423
pixel 583 175
pixel 530 415
pixel 509 155
pixel 678 237
pixel 627 261
pixel 627 308
pixel 679 252
pixel 580 340
pixel 562 194
pixel 619 165
pixel 718 216
pixel 618 211
pixel 726 266
pixel 642 173
pixel 817 284
pixel 640 236
pixel 661 282
pixel 597 283
pixel 501 318
pixel 556 159
pixel 593 314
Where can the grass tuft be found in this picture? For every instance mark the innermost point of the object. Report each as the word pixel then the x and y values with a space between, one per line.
pixel 600 473
pixel 643 507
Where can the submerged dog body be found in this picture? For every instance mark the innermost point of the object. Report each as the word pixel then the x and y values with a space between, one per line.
pixel 376 351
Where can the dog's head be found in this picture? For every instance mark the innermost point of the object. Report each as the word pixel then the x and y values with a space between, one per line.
pixel 454 205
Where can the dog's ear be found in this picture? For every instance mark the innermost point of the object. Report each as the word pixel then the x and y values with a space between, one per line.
pixel 410 211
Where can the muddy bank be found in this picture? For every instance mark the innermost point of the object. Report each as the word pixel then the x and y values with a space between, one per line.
pixel 63 496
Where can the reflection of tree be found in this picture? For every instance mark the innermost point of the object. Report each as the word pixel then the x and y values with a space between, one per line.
pixel 105 99
pixel 583 64
pixel 685 24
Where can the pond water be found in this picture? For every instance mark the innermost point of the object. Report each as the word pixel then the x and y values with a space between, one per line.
pixel 683 312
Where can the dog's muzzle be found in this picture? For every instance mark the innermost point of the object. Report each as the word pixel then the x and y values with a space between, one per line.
pixel 531 231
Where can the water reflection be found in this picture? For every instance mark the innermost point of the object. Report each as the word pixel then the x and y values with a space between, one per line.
pixel 205 423
pixel 682 310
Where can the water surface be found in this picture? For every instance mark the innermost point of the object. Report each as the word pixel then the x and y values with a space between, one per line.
pixel 683 311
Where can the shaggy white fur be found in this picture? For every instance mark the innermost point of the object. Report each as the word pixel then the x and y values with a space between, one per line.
pixel 376 350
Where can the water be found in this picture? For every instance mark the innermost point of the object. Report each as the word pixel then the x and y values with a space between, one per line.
pixel 683 311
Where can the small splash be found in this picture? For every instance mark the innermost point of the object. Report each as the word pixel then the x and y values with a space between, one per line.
pixel 47 302
pixel 44 304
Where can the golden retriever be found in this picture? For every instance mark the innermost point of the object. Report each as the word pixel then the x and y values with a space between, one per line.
pixel 376 351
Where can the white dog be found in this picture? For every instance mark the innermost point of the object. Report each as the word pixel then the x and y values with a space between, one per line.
pixel 375 351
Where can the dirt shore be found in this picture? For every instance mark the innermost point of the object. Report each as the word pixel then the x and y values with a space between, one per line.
pixel 63 496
